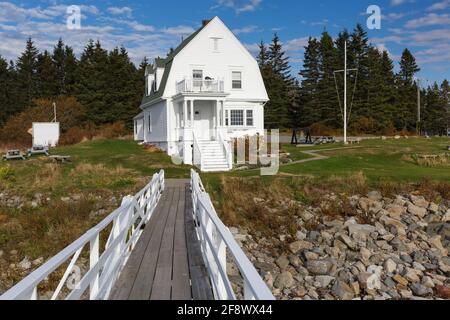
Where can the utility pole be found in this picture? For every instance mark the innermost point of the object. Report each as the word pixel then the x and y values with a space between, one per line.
pixel 418 107
pixel 345 94
pixel 54 111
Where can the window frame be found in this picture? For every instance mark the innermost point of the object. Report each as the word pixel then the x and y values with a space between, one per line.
pixel 239 118
pixel 252 117
pixel 233 81
pixel 149 126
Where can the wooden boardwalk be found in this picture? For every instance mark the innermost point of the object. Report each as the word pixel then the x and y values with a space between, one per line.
pixel 167 262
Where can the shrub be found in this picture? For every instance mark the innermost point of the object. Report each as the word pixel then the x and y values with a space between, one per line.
pixel 6 173
pixel 114 130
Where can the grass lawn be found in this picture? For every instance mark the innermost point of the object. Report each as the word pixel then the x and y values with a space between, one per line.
pixel 390 159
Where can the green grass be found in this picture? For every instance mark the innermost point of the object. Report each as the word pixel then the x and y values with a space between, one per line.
pixel 391 159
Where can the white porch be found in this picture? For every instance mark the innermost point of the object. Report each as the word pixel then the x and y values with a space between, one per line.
pixel 201 132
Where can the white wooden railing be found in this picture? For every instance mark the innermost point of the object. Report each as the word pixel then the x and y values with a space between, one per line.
pixel 198 159
pixel 227 149
pixel 124 226
pixel 216 240
pixel 197 86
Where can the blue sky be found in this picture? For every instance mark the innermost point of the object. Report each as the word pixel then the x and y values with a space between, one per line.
pixel 149 28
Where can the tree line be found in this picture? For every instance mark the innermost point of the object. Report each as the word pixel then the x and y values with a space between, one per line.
pixel 379 99
pixel 106 83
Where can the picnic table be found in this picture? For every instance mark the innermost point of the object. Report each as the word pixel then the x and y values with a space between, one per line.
pixel 13 155
pixel 62 159
pixel 37 150
pixel 354 141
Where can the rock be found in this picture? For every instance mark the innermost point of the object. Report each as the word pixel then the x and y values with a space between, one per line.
pixel 65 199
pixel 446 217
pixel 282 262
pixel 356 288
pixel 318 267
pixel 25 264
pixel 420 202
pixel 300 292
pixel 234 231
pixel 411 275
pixel 323 281
pixel 348 242
pixel 38 261
pixel 395 211
pixel 434 208
pixel 365 254
pixel 436 243
pixel 311 255
pixel 295 261
pixel 399 279
pixel 297 246
pixel 420 290
pixel 428 282
pixel 393 223
pixel 13 252
pixel 342 291
pixel 390 266
pixel 300 235
pixel 360 232
pixel 232 270
pixel 443 292
pixel 420 212
pixel 373 282
pixel 1 253
pixel 284 280
pixel 374 196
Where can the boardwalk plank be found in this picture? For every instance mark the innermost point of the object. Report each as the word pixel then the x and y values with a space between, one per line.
pixel 167 262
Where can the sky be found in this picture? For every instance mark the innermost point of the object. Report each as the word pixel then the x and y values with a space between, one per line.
pixel 150 28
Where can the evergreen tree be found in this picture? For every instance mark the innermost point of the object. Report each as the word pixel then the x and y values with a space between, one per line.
pixel 263 55
pixel 4 101
pixel 47 77
pixel 27 74
pixel 408 67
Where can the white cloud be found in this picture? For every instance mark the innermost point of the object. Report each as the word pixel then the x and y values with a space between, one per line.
pixel 179 31
pixel 120 11
pixel 239 6
pixel 247 29
pixel 399 2
pixel 431 19
pixel 440 5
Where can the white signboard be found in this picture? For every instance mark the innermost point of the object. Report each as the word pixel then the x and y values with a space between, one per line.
pixel 45 134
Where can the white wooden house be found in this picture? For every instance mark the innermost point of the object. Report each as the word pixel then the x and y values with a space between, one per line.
pixel 206 92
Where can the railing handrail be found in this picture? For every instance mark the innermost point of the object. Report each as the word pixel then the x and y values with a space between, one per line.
pixel 223 288
pixel 197 151
pixel 27 288
pixel 226 148
pixel 193 85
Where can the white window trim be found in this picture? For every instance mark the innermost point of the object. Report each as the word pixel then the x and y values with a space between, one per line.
pixel 149 126
pixel 242 80
pixel 244 109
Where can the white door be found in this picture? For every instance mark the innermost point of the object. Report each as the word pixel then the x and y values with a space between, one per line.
pixel 202 122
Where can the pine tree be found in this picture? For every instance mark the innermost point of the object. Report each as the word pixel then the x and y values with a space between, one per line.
pixel 308 96
pixel 47 77
pixel 263 55
pixel 408 67
pixel 4 101
pixel 27 74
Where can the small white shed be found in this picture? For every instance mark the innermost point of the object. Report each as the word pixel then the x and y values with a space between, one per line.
pixel 45 134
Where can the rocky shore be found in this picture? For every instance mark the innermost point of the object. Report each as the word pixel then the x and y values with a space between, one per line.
pixel 399 251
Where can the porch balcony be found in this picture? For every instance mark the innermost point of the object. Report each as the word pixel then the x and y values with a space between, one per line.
pixel 200 86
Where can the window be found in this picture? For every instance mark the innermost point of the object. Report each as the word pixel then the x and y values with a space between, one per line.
pixel 237 80
pixel 149 123
pixel 249 114
pixel 216 44
pixel 135 126
pixel 227 118
pixel 237 118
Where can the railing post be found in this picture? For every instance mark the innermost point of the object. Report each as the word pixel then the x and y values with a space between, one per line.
pixel 93 261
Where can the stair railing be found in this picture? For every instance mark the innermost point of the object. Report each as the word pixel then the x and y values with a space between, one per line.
pixel 198 159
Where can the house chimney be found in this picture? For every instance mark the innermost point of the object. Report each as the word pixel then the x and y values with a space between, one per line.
pixel 205 22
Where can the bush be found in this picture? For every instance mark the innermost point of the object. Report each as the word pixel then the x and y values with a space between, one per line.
pixel 114 130
pixel 6 173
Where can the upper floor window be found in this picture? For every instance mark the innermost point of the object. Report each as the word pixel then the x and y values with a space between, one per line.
pixel 149 125
pixel 216 44
pixel 237 80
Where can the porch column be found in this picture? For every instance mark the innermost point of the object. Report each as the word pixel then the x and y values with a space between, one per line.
pixel 192 112
pixel 184 113
pixel 222 102
pixel 218 122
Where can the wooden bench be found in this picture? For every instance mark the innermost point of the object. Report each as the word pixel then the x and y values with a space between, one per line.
pixel 13 155
pixel 37 150
pixel 61 159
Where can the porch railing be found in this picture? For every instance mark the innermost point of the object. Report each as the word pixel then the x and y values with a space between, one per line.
pixel 198 86
pixel 124 226
pixel 216 240
pixel 227 149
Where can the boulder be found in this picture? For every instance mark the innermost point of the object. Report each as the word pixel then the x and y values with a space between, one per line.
pixel 342 291
pixel 420 290
pixel 297 246
pixel 436 243
pixel 318 267
pixel 25 264
pixel 323 281
pixel 395 211
pixel 360 232
pixel 390 266
pixel 420 212
pixel 284 280
pixel 282 262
